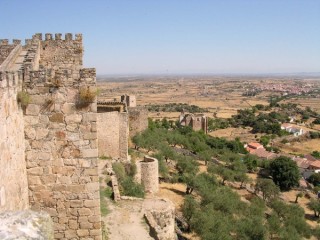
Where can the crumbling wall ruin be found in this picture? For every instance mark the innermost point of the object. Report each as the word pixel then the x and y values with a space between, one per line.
pixel 160 215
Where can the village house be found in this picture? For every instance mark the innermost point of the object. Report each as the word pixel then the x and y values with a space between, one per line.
pixel 296 131
pixel 302 163
pixel 258 149
pixel 315 165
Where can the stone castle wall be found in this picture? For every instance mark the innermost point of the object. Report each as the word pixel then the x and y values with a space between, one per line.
pixel 62 153
pixel 49 149
pixel 6 48
pixel 13 183
pixel 138 120
pixel 113 133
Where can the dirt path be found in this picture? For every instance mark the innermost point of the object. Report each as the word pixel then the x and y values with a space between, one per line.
pixel 125 220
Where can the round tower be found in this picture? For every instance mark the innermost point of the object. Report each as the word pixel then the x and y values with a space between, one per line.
pixel 149 171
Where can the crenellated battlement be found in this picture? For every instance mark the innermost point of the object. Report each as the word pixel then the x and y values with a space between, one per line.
pixel 57 37
pixel 5 42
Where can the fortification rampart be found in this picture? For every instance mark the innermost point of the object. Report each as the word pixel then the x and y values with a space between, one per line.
pixel 113 134
pixel 60 53
pixel 6 48
pixel 13 183
pixel 138 120
pixel 51 150
pixel 9 60
pixel 62 154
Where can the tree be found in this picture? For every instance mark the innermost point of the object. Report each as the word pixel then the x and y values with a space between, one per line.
pixel 225 173
pixel 165 123
pixel 268 189
pixel 299 194
pixel 188 169
pixel 314 179
pixel 284 172
pixel 251 161
pixel 314 205
pixel 189 208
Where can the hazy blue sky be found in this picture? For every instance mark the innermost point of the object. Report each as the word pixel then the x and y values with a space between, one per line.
pixel 172 36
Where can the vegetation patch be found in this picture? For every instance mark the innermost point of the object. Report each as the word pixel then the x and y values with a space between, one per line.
pixel 87 96
pixel 176 107
pixel 23 98
pixel 104 192
pixel 125 174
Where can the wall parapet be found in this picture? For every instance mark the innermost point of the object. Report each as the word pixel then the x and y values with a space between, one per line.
pixel 57 37
pixel 11 57
pixel 11 79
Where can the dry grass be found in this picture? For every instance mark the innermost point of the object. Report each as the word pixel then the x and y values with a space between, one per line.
pixel 305 147
pixel 231 133
pixel 174 192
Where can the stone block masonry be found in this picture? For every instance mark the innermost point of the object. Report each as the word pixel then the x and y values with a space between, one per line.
pixel 113 134
pixel 148 174
pixel 52 150
pixel 62 153
pixel 138 120
pixel 13 175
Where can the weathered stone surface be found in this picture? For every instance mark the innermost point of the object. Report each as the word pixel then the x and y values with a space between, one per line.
pixel 25 225
pixel 89 153
pixel 160 215
pixel 33 110
pixel 148 174
pixel 60 139
pixel 113 140
pixel 13 174
pixel 56 117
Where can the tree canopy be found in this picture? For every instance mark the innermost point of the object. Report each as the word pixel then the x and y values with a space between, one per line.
pixel 284 172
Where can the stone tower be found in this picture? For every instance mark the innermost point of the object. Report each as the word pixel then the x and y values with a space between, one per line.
pixel 129 100
pixel 59 125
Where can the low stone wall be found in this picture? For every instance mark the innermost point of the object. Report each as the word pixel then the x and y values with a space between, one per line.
pixel 26 225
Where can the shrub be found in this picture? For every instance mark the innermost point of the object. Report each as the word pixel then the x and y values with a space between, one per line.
pixel 23 98
pixel 131 188
pixel 125 174
pixel 87 96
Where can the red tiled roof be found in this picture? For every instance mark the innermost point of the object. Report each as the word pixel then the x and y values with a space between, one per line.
pixel 302 162
pixel 262 153
pixel 310 157
pixel 255 145
pixel 315 164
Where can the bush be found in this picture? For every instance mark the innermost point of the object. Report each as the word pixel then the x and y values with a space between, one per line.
pixel 316 154
pixel 125 174
pixel 23 98
pixel 131 188
pixel 86 96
